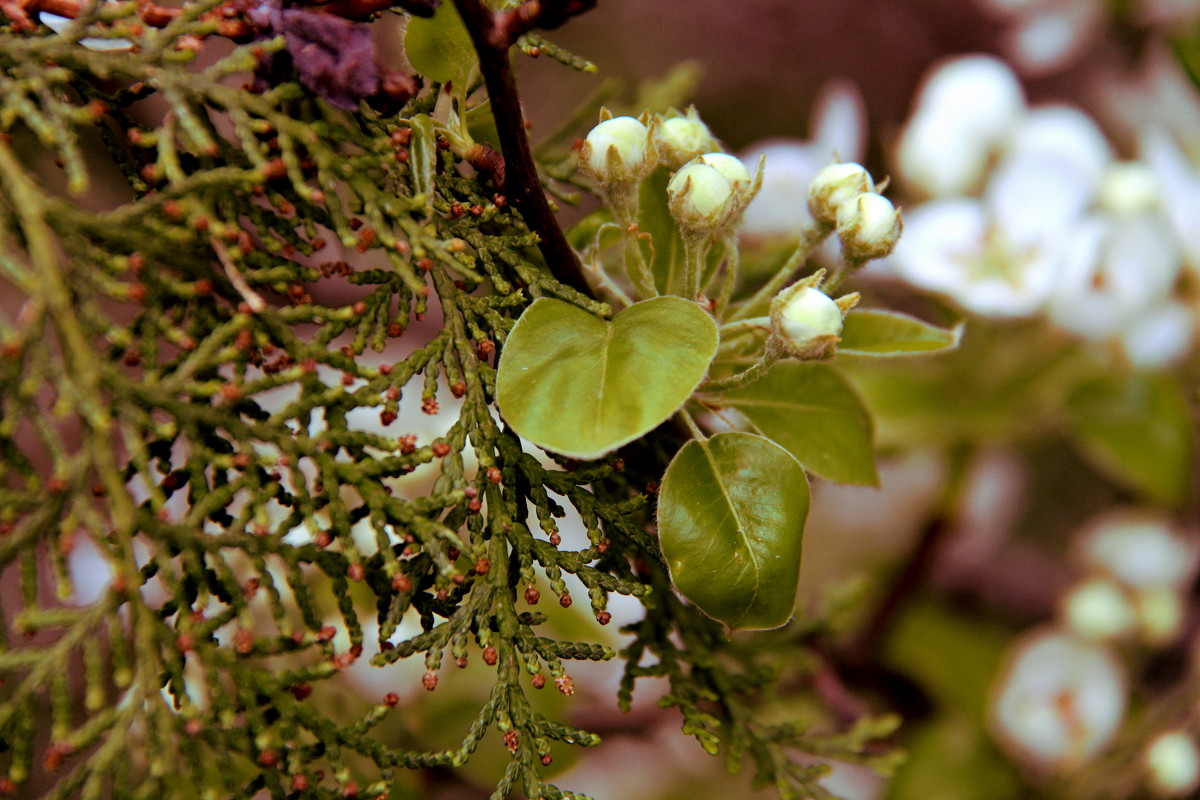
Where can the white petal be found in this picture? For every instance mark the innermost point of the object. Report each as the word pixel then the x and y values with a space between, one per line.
pixel 1037 200
pixel 1117 269
pixel 839 122
pixel 939 238
pixel 1180 182
pixel 979 92
pixel 1161 337
pixel 1140 549
pixel 964 112
pixel 1062 133
pixel 781 206
pixel 1054 36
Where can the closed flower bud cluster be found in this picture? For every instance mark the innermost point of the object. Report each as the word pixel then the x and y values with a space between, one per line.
pixel 710 193
pixel 842 195
pixel 833 187
pixel 701 198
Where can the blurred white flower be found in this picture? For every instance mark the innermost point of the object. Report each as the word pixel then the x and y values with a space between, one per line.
pixel 1116 268
pixel 1030 214
pixel 1173 764
pixel 1179 180
pixel 1046 35
pixel 964 112
pixel 839 132
pixel 1141 550
pixel 1058 700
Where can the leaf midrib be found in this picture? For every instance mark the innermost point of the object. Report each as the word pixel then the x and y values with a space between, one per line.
pixel 737 521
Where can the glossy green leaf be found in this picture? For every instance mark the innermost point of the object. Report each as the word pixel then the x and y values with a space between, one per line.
pixel 815 414
pixel 581 386
pixel 888 333
pixel 423 155
pixel 439 47
pixel 731 515
pixel 1138 429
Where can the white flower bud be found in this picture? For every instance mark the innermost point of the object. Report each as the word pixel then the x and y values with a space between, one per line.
pixel 868 226
pixel 680 139
pixel 806 323
pixel 1098 609
pixel 1058 701
pixel 731 167
pixel 1159 614
pixel 833 187
pixel 700 198
pixel 618 149
pixel 1173 764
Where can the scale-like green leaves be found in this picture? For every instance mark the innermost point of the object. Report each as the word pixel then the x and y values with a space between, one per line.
pixel 731 515
pixel 1138 429
pixel 887 333
pixel 439 47
pixel 581 386
pixel 815 414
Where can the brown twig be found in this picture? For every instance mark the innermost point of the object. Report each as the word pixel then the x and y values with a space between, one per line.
pixel 492 35
pixel 510 25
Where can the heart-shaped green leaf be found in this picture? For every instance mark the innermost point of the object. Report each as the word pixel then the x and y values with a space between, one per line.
pixel 731 515
pixel 887 333
pixel 815 414
pixel 581 386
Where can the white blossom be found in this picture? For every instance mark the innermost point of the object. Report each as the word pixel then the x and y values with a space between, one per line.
pixel 1058 701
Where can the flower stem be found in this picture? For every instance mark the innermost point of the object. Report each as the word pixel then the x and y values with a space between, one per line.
pixel 809 239
pixel 758 370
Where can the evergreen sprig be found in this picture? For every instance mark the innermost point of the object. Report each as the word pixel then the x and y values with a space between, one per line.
pixel 184 379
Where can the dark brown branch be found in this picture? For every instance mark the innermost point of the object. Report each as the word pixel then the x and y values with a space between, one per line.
pixel 865 648
pixel 522 185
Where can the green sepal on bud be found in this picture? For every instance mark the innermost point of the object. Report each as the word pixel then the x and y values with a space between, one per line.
pixel 868 227
pixel 833 187
pixel 806 323
pixel 680 139
pixel 619 150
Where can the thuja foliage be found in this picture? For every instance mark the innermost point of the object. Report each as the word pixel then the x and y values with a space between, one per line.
pixel 231 237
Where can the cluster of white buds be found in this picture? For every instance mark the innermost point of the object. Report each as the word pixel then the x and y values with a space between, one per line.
pixel 806 323
pixel 842 195
pixel 1137 567
pixel 1062 694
